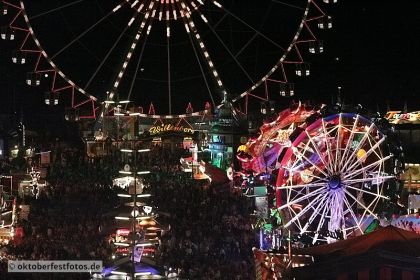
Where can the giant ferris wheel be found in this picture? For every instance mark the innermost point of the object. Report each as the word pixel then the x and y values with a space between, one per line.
pixel 83 52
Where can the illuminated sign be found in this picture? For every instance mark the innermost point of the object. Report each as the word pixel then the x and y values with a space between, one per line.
pixel 397 117
pixel 164 128
pixel 123 232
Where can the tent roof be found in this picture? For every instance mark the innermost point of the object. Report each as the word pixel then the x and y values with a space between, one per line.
pixel 390 238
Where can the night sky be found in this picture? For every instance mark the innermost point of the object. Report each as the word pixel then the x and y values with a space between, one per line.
pixel 371 52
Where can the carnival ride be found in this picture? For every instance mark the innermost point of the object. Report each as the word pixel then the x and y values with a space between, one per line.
pixel 331 171
pixel 84 53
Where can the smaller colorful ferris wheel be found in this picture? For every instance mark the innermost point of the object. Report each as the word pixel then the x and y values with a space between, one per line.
pixel 332 177
pixel 332 172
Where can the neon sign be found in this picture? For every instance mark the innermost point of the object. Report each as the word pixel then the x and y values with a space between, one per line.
pixel 397 117
pixel 164 128
pixel 123 232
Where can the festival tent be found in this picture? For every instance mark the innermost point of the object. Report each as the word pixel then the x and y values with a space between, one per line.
pixel 390 239
pixel 387 253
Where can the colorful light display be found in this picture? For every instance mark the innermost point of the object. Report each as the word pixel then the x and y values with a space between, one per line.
pixel 398 117
pixel 331 172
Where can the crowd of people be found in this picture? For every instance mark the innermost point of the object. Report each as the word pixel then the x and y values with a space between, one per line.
pixel 210 234
pixel 207 228
pixel 66 221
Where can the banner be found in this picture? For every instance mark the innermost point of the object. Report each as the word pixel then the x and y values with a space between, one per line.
pixel 138 252
pixel 45 158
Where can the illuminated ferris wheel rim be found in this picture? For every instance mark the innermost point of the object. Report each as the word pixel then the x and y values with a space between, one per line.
pixel 167 9
pixel 327 182
pixel 279 66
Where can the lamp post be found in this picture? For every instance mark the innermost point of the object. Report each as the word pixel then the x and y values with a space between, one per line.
pixel 135 212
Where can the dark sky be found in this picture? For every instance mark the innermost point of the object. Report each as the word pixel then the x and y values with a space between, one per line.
pixel 378 43
pixel 372 53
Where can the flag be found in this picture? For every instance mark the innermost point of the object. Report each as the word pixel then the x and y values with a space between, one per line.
pixel 45 158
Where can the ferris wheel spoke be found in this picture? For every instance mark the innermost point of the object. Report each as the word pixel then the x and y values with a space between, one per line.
pixel 315 213
pixel 128 55
pixel 349 141
pixel 133 46
pixel 116 8
pixel 192 28
pixel 304 210
pixel 364 168
pixel 55 9
pixel 374 169
pixel 319 154
pixel 295 193
pixel 336 210
pixel 203 75
pixel 109 53
pixel 310 185
pixel 299 225
pixel 220 21
pixel 379 178
pixel 296 163
pixel 287 4
pixel 368 192
pixel 361 204
pixel 290 203
pixel 358 147
pixel 317 177
pixel 299 154
pixel 226 48
pixel 139 61
pixel 327 143
pixel 217 4
pixel 372 149
pixel 250 40
pixel 337 145
pixel 321 220
pixel 310 175
pixel 371 205
pixel 246 45
pixel 347 203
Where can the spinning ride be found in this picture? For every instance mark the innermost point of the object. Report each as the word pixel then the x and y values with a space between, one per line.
pixel 165 51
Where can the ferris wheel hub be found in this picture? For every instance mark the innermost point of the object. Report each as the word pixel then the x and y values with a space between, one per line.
pixel 334 182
